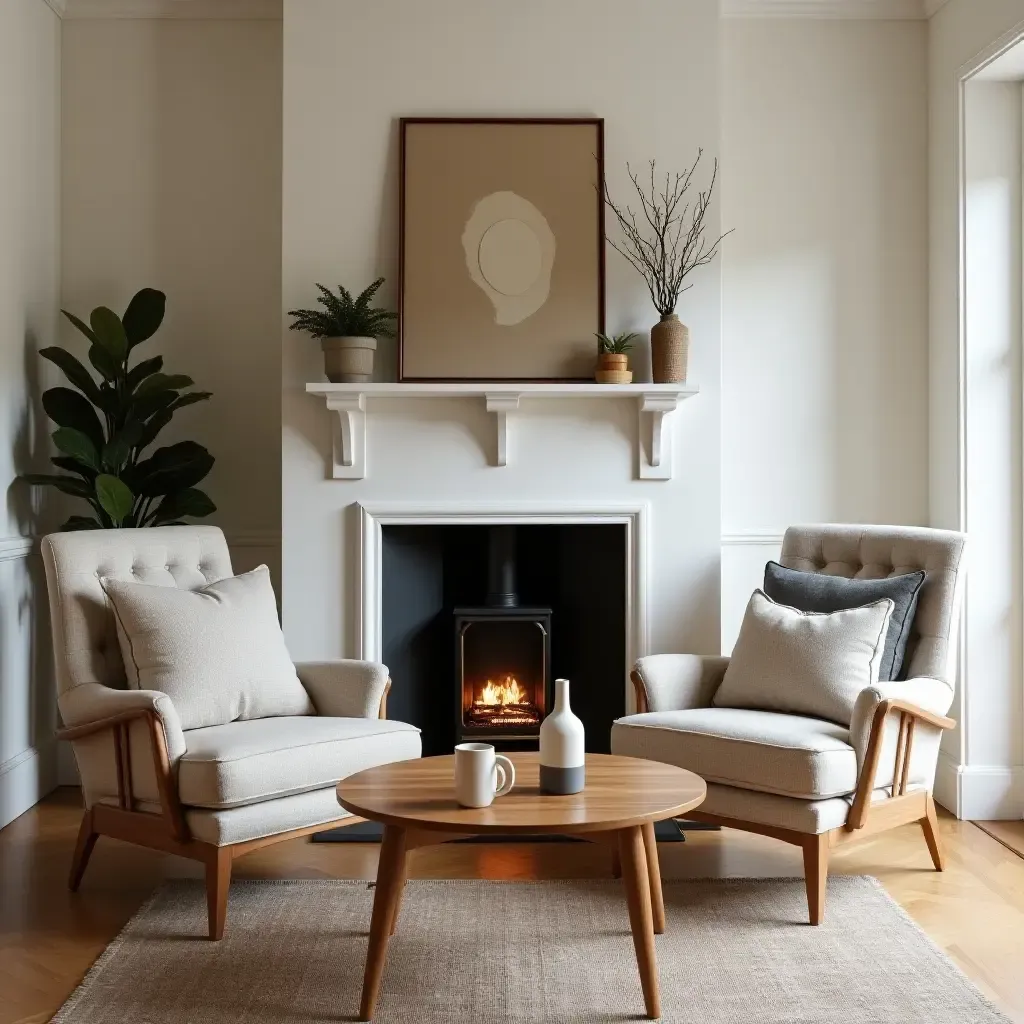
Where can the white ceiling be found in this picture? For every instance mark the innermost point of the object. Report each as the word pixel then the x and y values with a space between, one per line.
pixel 881 9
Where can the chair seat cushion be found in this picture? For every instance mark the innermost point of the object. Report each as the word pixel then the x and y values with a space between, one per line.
pixel 248 762
pixel 789 755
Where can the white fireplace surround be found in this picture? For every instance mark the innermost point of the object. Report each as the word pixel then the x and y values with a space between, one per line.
pixel 374 516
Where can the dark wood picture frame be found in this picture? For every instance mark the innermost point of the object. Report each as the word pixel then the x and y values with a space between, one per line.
pixel 598 124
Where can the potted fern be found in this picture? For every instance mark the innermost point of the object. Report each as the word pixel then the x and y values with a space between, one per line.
pixel 348 330
pixel 612 360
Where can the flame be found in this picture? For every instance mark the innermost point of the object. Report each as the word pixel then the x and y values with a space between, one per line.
pixel 506 692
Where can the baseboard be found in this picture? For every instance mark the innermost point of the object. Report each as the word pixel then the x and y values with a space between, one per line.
pixel 980 792
pixel 24 780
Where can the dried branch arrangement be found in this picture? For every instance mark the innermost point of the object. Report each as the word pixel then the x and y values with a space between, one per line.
pixel 673 242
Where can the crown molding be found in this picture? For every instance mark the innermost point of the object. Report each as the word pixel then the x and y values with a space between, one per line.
pixel 263 10
pixel 933 6
pixel 878 10
pixel 59 7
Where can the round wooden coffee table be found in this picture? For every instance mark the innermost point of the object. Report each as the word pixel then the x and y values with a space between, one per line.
pixel 624 796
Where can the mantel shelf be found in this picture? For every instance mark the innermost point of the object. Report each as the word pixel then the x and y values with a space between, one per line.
pixel 654 402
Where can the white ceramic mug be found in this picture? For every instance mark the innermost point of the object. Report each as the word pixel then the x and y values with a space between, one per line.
pixel 477 771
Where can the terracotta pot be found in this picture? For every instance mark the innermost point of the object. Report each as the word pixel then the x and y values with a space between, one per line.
pixel 348 360
pixel 611 368
pixel 670 348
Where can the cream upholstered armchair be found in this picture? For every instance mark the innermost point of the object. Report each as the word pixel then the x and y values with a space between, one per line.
pixel 209 794
pixel 815 783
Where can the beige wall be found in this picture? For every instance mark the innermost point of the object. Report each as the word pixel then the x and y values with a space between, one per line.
pixel 29 266
pixel 824 390
pixel 172 179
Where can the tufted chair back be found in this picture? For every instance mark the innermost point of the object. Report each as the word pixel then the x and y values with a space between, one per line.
pixel 84 634
pixel 873 552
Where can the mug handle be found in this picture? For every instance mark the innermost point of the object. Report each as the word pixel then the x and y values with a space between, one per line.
pixel 504 767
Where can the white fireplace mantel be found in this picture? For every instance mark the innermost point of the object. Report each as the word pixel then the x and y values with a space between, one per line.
pixel 655 403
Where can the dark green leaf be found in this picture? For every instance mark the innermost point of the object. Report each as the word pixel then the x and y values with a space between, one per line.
pixel 74 371
pixel 109 401
pixel 190 399
pixel 73 466
pixel 81 523
pixel 163 382
pixel 144 407
pixel 68 408
pixel 68 484
pixel 139 373
pixel 144 315
pixel 189 502
pixel 117 450
pixel 172 469
pixel 109 332
pixel 153 427
pixel 74 443
pixel 104 362
pixel 83 327
pixel 114 497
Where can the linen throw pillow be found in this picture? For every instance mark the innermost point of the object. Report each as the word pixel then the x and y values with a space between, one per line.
pixel 819 592
pixel 804 663
pixel 218 652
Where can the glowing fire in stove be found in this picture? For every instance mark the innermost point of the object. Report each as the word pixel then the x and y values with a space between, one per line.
pixel 501 704
pixel 506 692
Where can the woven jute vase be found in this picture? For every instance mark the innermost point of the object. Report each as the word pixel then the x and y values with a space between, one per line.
pixel 670 348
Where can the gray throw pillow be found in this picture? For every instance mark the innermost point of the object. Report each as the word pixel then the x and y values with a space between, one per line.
pixel 819 592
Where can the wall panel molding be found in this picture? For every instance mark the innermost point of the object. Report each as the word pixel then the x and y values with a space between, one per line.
pixel 261 10
pixel 15 547
pixel 877 10
pixel 752 538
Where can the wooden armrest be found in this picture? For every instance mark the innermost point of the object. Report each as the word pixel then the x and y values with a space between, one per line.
pixel 167 788
pixel 910 715
pixel 76 732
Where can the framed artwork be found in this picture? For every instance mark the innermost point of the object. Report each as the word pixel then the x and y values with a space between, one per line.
pixel 501 250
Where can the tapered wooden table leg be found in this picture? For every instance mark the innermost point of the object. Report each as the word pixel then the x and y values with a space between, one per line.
pixel 401 892
pixel 654 878
pixel 638 896
pixel 390 873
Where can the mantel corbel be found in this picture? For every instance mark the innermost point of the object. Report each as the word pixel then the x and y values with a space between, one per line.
pixel 655 434
pixel 501 405
pixel 349 436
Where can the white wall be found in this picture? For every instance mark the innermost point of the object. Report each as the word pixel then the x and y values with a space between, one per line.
pixel 960 35
pixel 172 179
pixel 457 57
pixel 824 397
pixel 29 230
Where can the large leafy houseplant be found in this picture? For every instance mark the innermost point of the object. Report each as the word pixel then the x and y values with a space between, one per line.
pixel 104 426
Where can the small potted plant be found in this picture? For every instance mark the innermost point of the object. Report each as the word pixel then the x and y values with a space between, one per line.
pixel 348 330
pixel 612 360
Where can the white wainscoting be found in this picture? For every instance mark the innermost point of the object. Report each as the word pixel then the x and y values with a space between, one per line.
pixel 27 749
pixel 743 557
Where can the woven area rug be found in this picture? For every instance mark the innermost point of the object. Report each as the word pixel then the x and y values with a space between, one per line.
pixel 735 951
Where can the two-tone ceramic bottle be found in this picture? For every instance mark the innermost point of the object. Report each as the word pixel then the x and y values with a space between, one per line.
pixel 562 756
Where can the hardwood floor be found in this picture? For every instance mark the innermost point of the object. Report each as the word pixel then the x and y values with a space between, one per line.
pixel 49 937
pixel 1009 833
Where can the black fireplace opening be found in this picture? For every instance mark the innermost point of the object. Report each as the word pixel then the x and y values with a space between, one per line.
pixel 479 620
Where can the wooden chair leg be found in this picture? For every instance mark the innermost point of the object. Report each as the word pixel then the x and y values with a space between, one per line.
pixel 930 828
pixel 218 883
pixel 83 851
pixel 816 850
